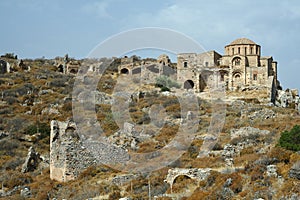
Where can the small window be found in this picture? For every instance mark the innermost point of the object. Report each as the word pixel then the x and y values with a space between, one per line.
pixel 239 50
pixel 222 77
pixel 254 77
pixel 251 50
pixel 232 51
pixel 245 50
pixel 206 64
pixel 185 64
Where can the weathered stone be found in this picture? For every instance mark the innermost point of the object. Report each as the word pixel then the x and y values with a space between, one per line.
pixel 272 171
pixel 25 192
pixel 193 173
pixel 3 134
pixel 228 182
pixel 229 151
pixel 229 162
pixel 295 171
pixel 247 131
pixel 31 138
pixel 32 161
pixel 68 156
pixel 43 92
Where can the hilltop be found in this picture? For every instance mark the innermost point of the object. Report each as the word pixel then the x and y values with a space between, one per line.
pixel 248 159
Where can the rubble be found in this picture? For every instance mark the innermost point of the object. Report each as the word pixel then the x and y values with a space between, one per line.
pixel 247 131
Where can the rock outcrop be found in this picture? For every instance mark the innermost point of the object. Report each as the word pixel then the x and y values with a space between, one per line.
pixel 247 131
pixel 32 160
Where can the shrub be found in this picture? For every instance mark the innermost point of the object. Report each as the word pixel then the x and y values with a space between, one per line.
pixel 42 128
pixel 290 139
pixel 165 83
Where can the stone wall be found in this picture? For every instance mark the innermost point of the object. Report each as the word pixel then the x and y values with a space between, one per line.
pixel 68 157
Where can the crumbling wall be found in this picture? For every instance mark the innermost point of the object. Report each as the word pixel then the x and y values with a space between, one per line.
pixel 68 157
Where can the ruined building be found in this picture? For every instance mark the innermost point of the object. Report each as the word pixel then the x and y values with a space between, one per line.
pixel 241 67
pixel 68 157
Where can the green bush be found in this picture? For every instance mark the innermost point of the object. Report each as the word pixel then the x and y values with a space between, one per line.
pixel 42 128
pixel 165 83
pixel 290 139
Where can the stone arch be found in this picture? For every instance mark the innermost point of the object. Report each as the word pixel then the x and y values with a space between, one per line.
pixel 236 61
pixel 182 181
pixel 237 79
pixel 124 71
pixel 188 84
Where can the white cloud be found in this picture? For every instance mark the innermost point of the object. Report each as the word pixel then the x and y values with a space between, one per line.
pixel 98 8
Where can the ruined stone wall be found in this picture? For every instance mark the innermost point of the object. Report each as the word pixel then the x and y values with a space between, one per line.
pixel 68 157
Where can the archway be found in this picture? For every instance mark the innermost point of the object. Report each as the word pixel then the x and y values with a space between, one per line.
pixel 237 79
pixel 124 71
pixel 184 184
pixel 189 84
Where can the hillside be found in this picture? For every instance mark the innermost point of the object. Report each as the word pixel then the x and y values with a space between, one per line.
pixel 248 159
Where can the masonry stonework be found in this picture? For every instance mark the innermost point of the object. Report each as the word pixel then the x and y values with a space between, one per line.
pixel 241 67
pixel 68 157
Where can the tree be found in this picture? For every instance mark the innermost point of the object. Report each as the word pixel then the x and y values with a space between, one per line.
pixel 290 139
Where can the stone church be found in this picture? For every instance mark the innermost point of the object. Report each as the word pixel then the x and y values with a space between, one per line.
pixel 242 67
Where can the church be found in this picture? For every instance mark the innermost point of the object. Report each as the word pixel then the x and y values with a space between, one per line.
pixel 240 68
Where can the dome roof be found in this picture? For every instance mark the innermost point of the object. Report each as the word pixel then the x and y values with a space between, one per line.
pixel 242 41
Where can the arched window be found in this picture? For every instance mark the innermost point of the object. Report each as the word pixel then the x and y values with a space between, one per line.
pixel 236 61
pixel 185 64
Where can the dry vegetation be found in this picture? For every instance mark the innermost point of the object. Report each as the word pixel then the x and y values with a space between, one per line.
pixel 28 95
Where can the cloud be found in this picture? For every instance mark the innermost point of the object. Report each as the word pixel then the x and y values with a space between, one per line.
pixel 97 8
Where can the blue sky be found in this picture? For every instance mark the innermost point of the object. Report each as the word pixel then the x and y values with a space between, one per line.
pixel 36 28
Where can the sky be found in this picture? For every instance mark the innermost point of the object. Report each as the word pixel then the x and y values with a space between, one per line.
pixel 40 28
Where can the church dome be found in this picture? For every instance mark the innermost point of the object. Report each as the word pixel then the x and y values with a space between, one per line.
pixel 242 41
